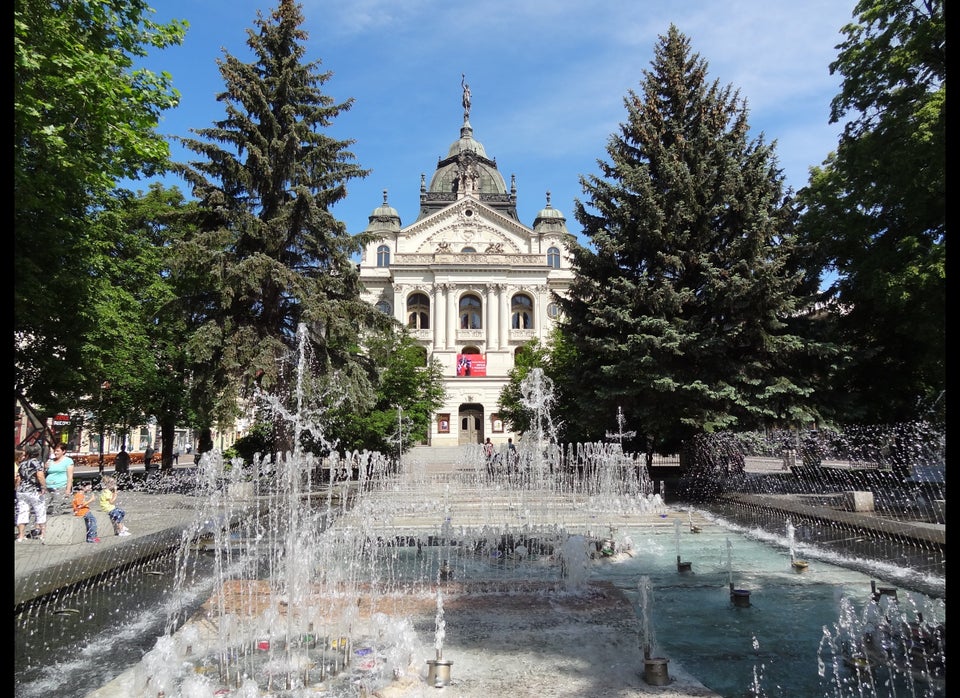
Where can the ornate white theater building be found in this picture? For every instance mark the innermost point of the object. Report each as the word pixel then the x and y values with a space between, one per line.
pixel 471 282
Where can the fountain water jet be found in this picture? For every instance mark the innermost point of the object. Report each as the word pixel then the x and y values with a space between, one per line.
pixel 654 668
pixel 682 567
pixel 739 597
pixel 438 673
pixel 798 565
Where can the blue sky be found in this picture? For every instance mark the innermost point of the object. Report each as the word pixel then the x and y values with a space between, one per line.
pixel 548 79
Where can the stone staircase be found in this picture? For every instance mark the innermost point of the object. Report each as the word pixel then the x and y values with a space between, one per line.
pixel 438 459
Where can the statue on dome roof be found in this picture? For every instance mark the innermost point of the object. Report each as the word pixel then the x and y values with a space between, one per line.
pixel 466 96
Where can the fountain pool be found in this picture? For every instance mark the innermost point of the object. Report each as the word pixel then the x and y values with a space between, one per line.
pixel 510 555
pixel 545 582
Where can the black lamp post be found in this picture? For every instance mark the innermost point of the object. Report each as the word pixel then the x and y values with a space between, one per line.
pixel 103 386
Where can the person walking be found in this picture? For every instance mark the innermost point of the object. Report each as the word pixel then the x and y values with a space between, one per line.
pixel 489 452
pixel 31 486
pixel 488 449
pixel 108 503
pixel 148 455
pixel 81 507
pixel 121 462
pixel 59 473
pixel 511 454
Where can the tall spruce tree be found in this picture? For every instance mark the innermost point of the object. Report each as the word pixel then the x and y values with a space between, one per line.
pixel 679 314
pixel 273 255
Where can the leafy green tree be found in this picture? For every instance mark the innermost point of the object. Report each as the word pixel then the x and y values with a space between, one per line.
pixel 510 406
pixel 116 343
pixel 84 118
pixel 409 389
pixel 875 212
pixel 274 256
pixel 136 321
pixel 678 315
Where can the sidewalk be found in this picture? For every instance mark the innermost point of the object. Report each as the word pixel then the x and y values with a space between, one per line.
pixel 156 522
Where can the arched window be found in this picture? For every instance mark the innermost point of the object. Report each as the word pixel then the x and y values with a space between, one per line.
pixel 418 311
pixel 468 250
pixel 521 312
pixel 553 257
pixel 470 313
pixel 383 256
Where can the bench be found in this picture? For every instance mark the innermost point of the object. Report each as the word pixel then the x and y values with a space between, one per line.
pixel 66 529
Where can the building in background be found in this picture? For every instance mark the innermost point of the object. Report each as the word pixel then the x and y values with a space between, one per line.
pixel 471 281
pixel 81 433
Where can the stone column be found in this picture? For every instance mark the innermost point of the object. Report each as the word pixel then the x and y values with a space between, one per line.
pixel 452 319
pixel 493 327
pixel 439 317
pixel 540 309
pixel 505 292
pixel 399 304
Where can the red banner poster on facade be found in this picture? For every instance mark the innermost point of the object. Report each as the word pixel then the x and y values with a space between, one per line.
pixel 471 365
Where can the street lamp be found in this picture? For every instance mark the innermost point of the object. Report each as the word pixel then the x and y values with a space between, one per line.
pixel 103 387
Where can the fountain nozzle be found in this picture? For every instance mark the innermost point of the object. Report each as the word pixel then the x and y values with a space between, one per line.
pixel 655 669
pixel 739 597
pixel 438 673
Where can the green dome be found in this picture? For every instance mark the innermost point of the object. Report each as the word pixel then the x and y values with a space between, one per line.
pixel 384 218
pixel 466 143
pixel 550 219
pixel 467 155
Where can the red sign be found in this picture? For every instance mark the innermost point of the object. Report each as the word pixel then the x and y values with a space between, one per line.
pixel 61 420
pixel 471 365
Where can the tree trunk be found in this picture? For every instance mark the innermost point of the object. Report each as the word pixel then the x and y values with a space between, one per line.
pixel 168 435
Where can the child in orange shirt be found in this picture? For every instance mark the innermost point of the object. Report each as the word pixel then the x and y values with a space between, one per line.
pixel 81 507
